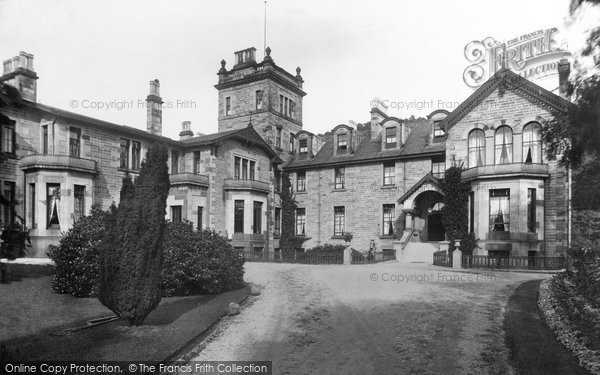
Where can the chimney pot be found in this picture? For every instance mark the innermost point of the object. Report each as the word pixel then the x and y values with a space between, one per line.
pixel 154 109
pixel 564 86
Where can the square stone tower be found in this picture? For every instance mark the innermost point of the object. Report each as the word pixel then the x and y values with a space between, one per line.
pixel 264 95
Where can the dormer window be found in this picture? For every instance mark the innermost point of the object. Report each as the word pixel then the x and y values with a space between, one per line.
pixel 342 143
pixel 390 137
pixel 303 146
pixel 437 130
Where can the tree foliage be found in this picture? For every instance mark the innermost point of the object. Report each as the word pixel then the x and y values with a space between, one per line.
pixel 574 137
pixel 456 200
pixel 288 242
pixel 130 265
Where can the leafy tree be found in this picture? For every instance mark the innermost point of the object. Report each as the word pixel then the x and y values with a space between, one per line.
pixel 456 200
pixel 130 266
pixel 574 137
pixel 288 242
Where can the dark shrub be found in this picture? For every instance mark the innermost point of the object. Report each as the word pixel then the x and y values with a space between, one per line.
pixel 586 229
pixel 131 262
pixel 585 273
pixel 76 256
pixel 468 244
pixel 198 262
pixel 327 249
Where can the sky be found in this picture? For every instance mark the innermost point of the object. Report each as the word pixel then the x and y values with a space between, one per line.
pixel 96 58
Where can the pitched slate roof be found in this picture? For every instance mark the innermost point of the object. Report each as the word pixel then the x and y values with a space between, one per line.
pixel 10 96
pixel 123 129
pixel 506 79
pixel 418 144
pixel 247 134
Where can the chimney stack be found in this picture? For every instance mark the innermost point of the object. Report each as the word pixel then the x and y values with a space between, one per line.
pixel 378 114
pixel 154 109
pixel 186 130
pixel 19 73
pixel 564 86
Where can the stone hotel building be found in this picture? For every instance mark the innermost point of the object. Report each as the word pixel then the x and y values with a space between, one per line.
pixel 379 179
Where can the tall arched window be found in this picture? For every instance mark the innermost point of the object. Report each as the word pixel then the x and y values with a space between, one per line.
pixel 476 148
pixel 503 145
pixel 532 143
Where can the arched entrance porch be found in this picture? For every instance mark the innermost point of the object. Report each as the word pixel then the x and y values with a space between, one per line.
pixel 422 207
pixel 427 216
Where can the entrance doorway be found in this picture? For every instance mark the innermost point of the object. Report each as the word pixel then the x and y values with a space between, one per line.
pixel 428 216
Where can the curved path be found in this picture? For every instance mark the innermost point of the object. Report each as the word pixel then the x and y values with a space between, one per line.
pixel 386 318
pixel 534 347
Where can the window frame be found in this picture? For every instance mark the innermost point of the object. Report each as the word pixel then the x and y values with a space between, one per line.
pixel 277 222
pixel 476 148
pixel 228 106
pixel 74 142
pixel 9 189
pixel 390 140
pixel 238 216
pixel 342 143
pixel 257 217
pixel 301 182
pixel 339 178
pixel 388 219
pixel 176 213
pixel 499 223
pixel 303 149
pixel 301 221
pixel 339 221
pixel 8 137
pixel 136 155
pixel 259 96
pixel 50 205
pixel 527 144
pixel 124 153
pixel 78 202
pixel 504 146
pixel 389 177
pixel 174 162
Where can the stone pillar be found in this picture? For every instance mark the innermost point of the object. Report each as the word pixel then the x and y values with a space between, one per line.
pixel 408 224
pixel 347 256
pixel 457 256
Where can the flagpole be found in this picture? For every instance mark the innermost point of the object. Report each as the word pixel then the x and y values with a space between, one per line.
pixel 265 32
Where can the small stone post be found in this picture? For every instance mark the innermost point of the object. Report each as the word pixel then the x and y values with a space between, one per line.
pixel 457 256
pixel 347 255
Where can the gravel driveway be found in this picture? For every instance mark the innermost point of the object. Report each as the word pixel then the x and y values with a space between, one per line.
pixel 386 318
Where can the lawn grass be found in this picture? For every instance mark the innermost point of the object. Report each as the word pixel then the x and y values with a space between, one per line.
pixel 33 321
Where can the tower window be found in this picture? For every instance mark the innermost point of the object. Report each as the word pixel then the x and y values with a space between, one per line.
pixel 259 99
pixel 228 106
